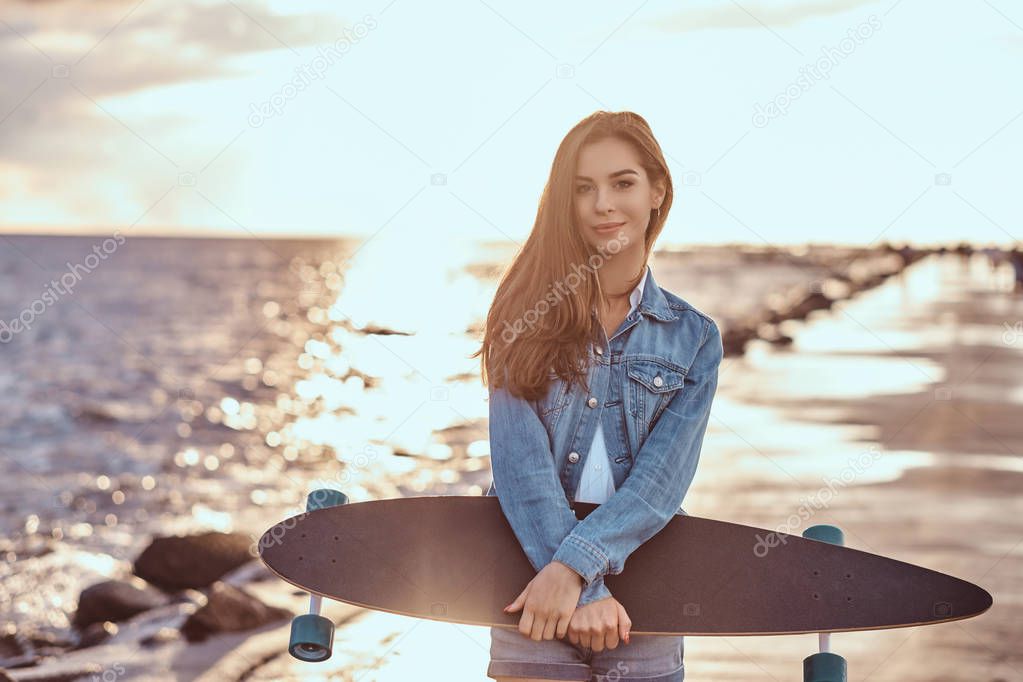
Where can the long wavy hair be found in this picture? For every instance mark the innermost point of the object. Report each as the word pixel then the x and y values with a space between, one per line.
pixel 543 316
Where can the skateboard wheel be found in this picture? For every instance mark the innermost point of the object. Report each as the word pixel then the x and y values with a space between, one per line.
pixel 322 498
pixel 825 533
pixel 312 638
pixel 824 667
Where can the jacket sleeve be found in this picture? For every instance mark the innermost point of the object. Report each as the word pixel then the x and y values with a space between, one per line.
pixel 664 468
pixel 527 484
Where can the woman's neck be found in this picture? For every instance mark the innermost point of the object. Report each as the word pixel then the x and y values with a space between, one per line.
pixel 618 278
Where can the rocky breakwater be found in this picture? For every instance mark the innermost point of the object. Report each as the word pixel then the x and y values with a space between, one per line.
pixel 843 276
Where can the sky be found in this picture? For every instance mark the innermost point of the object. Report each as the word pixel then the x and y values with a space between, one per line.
pixel 782 122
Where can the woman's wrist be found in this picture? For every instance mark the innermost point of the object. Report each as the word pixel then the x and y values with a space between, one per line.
pixel 569 570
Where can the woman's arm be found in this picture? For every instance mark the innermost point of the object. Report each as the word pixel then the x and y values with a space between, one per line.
pixel 529 491
pixel 658 481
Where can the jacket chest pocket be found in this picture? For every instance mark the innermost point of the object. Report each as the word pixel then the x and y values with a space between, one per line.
pixel 652 383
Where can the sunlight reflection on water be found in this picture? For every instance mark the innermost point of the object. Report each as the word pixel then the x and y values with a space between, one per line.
pixel 414 369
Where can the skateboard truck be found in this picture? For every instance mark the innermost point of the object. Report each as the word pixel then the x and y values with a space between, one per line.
pixel 312 635
pixel 824 666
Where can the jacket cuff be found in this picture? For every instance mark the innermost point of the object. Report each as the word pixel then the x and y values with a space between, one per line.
pixel 582 557
pixel 593 592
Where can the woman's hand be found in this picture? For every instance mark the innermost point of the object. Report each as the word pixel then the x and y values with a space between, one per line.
pixel 599 624
pixel 547 602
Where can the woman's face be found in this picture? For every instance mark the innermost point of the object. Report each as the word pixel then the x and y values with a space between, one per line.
pixel 612 189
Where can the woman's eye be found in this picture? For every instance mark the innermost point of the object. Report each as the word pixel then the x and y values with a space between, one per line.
pixel 627 183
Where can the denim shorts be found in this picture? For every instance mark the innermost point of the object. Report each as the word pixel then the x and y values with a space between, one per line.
pixel 650 658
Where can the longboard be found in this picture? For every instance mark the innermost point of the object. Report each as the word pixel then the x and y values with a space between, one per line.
pixel 456 559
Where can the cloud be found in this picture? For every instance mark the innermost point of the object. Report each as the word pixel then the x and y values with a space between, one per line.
pixel 116 49
pixel 53 52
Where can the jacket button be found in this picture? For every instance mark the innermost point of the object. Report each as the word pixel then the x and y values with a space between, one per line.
pixel 592 402
pixel 573 457
pixel 658 381
pixel 598 350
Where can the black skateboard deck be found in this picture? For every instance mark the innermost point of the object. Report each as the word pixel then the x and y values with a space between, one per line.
pixel 456 559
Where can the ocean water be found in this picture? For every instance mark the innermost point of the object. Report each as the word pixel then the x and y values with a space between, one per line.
pixel 154 386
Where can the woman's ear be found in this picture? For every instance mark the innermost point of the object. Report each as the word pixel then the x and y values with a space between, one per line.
pixel 659 190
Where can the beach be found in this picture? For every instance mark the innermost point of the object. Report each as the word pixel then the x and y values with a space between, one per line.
pixel 191 385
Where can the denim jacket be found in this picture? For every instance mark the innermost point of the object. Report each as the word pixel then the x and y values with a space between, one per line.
pixel 652 384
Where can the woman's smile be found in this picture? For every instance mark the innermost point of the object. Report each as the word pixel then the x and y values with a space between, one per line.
pixel 604 228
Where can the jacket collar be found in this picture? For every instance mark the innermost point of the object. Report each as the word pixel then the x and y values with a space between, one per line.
pixel 653 302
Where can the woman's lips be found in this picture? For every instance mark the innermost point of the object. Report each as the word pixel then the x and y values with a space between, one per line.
pixel 610 228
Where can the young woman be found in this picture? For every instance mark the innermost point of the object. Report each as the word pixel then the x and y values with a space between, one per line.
pixel 600 388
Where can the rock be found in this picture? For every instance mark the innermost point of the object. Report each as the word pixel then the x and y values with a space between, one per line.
pixel 115 600
pixel 12 642
pixel 15 649
pixel 126 412
pixel 734 340
pixel 21 648
pixel 812 301
pixel 188 596
pixel 192 561
pixel 382 331
pixel 97 633
pixel 230 609
pixel 774 336
pixel 871 282
pixel 41 639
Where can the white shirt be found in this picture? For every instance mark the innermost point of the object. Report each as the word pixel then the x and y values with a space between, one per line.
pixel 597 483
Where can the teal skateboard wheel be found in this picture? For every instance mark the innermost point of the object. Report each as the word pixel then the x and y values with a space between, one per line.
pixel 322 498
pixel 825 533
pixel 312 638
pixel 824 667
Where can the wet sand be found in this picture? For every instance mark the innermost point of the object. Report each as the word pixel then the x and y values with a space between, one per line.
pixel 943 493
